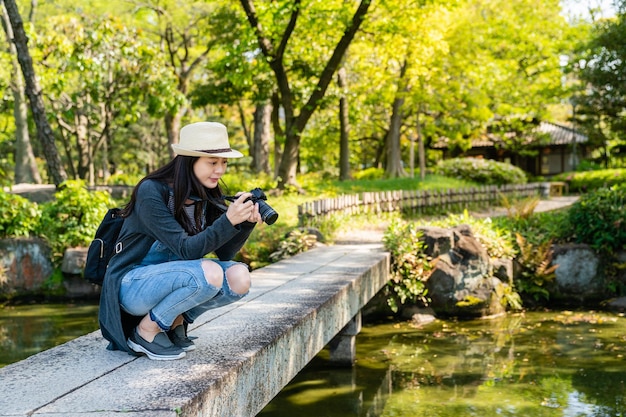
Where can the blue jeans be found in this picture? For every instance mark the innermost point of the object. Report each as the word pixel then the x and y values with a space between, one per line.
pixel 167 287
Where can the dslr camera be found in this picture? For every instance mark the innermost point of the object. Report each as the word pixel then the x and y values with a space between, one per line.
pixel 268 214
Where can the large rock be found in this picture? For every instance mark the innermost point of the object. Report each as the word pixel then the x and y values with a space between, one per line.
pixel 579 276
pixel 72 268
pixel 24 265
pixel 462 281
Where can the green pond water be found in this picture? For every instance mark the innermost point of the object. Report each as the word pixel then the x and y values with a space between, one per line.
pixel 536 364
pixel 29 329
pixel 532 365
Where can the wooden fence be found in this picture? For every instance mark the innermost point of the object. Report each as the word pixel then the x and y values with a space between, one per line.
pixel 416 202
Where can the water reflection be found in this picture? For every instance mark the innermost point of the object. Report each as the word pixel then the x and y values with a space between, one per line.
pixel 567 364
pixel 29 329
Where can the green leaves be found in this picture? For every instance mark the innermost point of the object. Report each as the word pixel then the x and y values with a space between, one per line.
pixel 481 171
pixel 598 218
pixel 410 267
pixel 20 217
pixel 72 218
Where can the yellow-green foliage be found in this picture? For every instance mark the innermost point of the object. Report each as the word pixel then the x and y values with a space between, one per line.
pixel 592 180
pixel 481 171
pixel 469 301
pixel 410 267
pixel 521 209
pixel 20 217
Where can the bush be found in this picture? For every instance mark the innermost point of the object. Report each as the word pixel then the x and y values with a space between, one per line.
pixel 369 174
pixel 72 218
pixel 481 171
pixel 20 217
pixel 592 180
pixel 599 219
pixel 410 266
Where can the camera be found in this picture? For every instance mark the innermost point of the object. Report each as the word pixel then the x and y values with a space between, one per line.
pixel 268 214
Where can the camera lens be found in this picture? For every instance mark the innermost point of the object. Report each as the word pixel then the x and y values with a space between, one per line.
pixel 267 213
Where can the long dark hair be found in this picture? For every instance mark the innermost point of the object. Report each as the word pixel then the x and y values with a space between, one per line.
pixel 178 175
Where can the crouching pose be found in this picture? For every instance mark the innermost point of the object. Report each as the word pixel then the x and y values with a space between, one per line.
pixel 160 280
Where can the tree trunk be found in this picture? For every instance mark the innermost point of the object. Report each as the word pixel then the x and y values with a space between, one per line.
pixel 279 134
pixel 26 170
pixel 172 128
pixel 344 127
pixel 45 135
pixel 421 152
pixel 260 143
pixel 394 166
pixel 244 126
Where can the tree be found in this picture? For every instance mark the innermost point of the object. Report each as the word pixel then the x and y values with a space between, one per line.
pixel 108 75
pixel 398 62
pixel 188 33
pixel 26 170
pixel 600 101
pixel 238 77
pixel 451 68
pixel 297 119
pixel 45 135
pixel 344 126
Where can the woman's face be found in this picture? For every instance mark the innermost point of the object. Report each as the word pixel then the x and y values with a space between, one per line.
pixel 208 170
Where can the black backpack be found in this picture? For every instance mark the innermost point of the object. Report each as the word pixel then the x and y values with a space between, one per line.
pixel 104 246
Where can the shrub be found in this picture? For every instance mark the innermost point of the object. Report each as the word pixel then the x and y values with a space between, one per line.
pixel 599 219
pixel 592 180
pixel 536 271
pixel 369 174
pixel 410 266
pixel 482 171
pixel 297 241
pixel 72 218
pixel 20 217
pixel 538 227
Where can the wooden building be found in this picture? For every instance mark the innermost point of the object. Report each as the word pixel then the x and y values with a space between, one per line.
pixel 561 150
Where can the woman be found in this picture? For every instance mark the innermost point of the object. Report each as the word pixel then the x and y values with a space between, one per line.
pixel 160 281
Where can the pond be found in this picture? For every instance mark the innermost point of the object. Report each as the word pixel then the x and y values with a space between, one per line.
pixel 30 328
pixel 568 364
pixel 539 364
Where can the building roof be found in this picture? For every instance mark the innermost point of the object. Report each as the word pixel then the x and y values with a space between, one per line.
pixel 558 134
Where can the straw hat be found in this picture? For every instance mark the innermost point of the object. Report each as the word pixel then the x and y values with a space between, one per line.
pixel 205 139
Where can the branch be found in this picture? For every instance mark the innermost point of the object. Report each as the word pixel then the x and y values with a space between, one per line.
pixel 331 66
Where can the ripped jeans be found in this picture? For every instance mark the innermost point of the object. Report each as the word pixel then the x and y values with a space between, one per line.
pixel 167 287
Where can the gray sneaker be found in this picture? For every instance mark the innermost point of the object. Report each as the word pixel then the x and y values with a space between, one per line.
pixel 160 349
pixel 178 336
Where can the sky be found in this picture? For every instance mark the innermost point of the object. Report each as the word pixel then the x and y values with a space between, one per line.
pixel 580 8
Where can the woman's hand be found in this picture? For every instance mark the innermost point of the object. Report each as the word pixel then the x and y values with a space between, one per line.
pixel 241 210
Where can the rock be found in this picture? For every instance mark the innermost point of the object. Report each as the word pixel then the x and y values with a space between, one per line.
pixel 461 283
pixel 503 269
pixel 74 261
pixel 419 316
pixel 24 265
pixel 73 265
pixel 616 304
pixel 578 275
pixel 438 240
